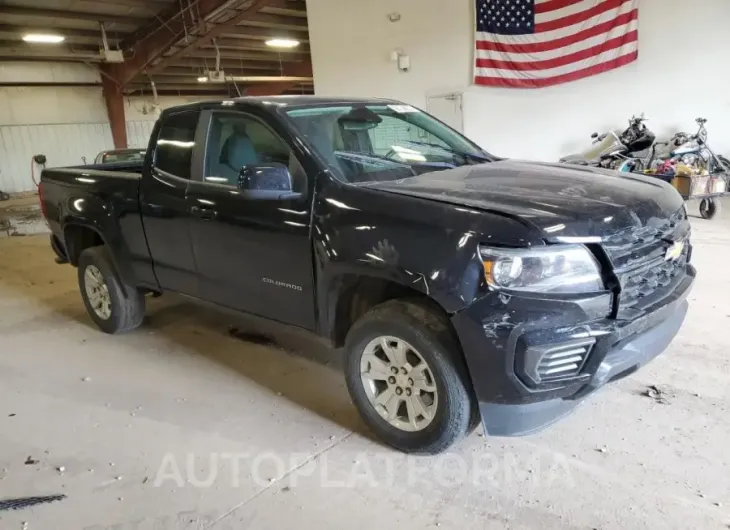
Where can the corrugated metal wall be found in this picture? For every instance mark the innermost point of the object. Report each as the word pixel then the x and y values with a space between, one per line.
pixel 63 145
pixel 138 133
pixel 63 123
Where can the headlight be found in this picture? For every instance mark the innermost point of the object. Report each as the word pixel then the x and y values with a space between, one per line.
pixel 551 269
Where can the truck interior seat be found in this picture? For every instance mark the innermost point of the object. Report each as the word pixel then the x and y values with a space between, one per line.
pixel 238 151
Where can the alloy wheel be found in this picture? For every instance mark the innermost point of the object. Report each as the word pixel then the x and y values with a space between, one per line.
pixel 399 383
pixel 97 292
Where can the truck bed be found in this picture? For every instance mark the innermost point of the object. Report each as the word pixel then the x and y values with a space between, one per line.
pixel 103 198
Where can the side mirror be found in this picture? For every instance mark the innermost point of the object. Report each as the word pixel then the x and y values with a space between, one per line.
pixel 266 177
pixel 594 135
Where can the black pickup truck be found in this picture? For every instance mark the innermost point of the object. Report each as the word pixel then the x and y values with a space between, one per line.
pixel 463 287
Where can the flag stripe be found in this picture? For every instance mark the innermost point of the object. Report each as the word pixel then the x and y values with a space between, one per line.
pixel 552 5
pixel 569 54
pixel 549 36
pixel 603 7
pixel 562 60
pixel 555 80
pixel 567 11
pixel 563 69
pixel 555 47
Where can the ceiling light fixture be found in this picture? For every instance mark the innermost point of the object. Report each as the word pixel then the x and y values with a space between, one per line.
pixel 202 79
pixel 282 43
pixel 43 38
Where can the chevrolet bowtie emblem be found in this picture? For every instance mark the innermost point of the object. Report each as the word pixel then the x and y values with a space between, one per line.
pixel 674 251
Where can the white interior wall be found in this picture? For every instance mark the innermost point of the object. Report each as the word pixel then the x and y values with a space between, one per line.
pixel 680 74
pixel 66 124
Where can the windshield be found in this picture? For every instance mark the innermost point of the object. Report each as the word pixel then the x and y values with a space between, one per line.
pixel 366 143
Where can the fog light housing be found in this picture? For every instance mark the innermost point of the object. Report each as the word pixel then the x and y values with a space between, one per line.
pixel 554 362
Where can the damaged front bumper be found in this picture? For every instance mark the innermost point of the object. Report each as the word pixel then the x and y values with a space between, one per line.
pixel 520 392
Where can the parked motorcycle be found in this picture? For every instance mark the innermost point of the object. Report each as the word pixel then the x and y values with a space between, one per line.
pixel 636 150
pixel 692 150
pixel 617 151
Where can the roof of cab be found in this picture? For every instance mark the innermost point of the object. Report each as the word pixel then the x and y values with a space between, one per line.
pixel 282 101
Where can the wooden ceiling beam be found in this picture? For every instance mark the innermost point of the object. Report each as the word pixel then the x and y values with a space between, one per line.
pixel 237 69
pixel 67 15
pixel 264 20
pixel 21 30
pixel 151 5
pixel 254 46
pixel 54 54
pixel 261 34
pixel 242 56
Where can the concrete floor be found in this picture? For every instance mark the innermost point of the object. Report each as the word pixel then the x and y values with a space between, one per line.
pixel 129 419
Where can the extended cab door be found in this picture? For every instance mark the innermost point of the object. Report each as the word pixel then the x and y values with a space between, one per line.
pixel 252 248
pixel 163 200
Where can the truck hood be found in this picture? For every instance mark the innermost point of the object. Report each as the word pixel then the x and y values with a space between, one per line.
pixel 560 200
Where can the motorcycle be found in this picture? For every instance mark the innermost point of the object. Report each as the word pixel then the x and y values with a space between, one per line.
pixel 692 151
pixel 617 151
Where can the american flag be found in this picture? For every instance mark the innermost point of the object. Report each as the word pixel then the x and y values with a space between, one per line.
pixel 538 43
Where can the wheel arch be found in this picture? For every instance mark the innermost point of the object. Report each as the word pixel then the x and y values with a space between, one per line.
pixel 351 295
pixel 79 236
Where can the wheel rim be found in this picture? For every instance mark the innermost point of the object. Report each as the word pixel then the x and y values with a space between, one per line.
pixel 399 383
pixel 97 292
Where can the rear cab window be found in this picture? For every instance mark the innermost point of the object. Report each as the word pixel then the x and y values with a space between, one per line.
pixel 176 142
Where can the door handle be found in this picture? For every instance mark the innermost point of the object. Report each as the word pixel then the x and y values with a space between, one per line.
pixel 203 213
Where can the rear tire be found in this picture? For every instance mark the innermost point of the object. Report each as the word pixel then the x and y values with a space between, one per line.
pixel 113 306
pixel 428 340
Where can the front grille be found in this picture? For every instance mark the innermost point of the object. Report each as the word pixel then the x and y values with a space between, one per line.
pixel 651 283
pixel 639 261
pixel 550 362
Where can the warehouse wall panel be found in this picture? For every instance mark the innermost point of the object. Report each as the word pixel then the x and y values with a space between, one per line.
pixel 63 145
pixel 64 123
pixel 138 133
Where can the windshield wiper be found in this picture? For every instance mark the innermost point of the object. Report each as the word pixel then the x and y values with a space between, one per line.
pixel 473 156
pixel 361 157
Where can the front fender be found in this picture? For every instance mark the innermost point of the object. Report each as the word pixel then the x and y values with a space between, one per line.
pixel 428 246
pixel 442 265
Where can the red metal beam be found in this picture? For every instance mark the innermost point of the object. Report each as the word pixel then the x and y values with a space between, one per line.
pixel 114 100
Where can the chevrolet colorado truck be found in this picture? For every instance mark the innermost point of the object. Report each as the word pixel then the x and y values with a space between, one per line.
pixel 463 288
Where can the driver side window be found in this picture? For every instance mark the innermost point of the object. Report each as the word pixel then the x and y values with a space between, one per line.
pixel 238 140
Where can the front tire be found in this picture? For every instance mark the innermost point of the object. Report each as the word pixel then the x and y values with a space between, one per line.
pixel 113 306
pixel 405 375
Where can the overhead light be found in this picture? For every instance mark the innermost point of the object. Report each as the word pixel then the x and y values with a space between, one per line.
pixel 202 79
pixel 282 43
pixel 43 38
